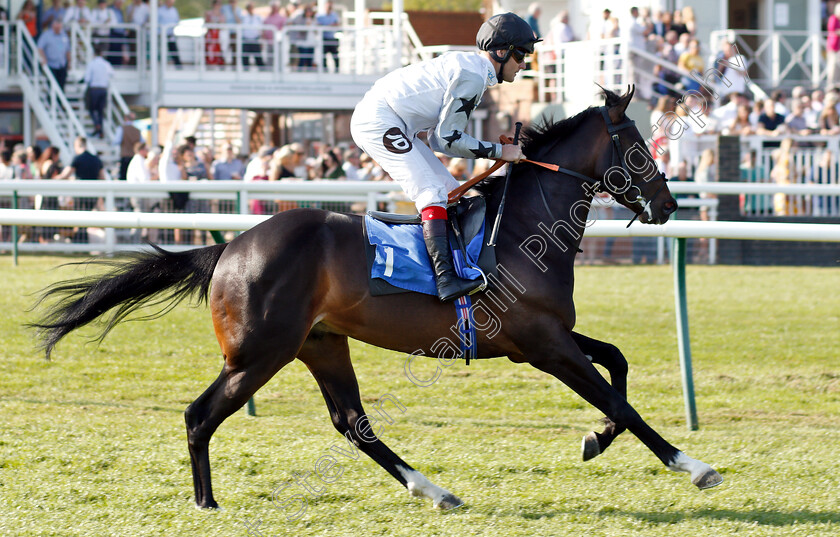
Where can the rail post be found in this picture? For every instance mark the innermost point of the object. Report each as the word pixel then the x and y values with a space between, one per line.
pixel 683 341
pixel 15 231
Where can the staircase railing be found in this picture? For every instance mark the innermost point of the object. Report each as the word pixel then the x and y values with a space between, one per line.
pixel 5 49
pixel 776 59
pixel 45 97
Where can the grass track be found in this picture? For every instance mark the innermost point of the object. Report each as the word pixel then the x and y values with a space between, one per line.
pixel 93 443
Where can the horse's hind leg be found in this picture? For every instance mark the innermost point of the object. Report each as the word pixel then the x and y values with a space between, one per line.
pixel 608 356
pixel 228 393
pixel 328 358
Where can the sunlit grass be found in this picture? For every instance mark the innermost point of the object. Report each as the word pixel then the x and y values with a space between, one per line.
pixel 93 442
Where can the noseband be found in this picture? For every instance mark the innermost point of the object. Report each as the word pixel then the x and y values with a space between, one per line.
pixel 612 130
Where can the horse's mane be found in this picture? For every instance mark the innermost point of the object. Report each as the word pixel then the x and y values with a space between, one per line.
pixel 535 137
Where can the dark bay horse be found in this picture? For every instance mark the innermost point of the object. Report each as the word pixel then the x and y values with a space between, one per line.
pixel 296 286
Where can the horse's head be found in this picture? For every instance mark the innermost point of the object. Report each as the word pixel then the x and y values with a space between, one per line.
pixel 625 167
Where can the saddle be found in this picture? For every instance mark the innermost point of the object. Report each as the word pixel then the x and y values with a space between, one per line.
pixel 396 253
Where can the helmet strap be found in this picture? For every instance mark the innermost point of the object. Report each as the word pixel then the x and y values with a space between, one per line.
pixel 502 60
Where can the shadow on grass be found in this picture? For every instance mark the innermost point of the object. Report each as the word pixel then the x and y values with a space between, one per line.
pixel 80 404
pixel 762 517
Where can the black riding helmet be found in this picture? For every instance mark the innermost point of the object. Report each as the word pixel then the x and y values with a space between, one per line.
pixel 507 32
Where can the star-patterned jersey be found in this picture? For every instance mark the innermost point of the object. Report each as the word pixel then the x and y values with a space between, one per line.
pixel 438 96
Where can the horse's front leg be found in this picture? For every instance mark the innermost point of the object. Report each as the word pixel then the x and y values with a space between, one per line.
pixel 561 357
pixel 608 356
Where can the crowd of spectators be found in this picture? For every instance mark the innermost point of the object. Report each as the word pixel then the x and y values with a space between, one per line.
pixel 114 26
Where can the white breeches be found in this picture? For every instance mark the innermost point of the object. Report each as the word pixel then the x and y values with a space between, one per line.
pixel 380 133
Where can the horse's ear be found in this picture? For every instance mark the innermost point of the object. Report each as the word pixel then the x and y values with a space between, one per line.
pixel 617 110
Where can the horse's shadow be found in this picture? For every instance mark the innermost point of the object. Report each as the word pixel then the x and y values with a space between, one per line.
pixel 763 517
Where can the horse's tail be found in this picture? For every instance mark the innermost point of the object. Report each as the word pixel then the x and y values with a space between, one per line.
pixel 134 280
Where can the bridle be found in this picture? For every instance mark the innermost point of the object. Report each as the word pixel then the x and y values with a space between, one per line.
pixel 612 130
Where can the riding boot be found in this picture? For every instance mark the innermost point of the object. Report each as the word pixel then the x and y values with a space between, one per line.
pixel 449 284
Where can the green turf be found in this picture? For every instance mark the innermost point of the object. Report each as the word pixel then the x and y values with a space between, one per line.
pixel 93 443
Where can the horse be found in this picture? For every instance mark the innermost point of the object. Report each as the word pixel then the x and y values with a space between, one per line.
pixel 296 287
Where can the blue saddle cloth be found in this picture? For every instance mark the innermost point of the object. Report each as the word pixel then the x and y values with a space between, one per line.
pixel 401 260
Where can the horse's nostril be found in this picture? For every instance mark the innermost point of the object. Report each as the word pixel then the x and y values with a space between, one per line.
pixel 670 207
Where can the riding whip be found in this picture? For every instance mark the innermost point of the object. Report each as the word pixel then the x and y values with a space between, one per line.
pixel 492 241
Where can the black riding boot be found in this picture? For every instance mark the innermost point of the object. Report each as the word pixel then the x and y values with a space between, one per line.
pixel 449 284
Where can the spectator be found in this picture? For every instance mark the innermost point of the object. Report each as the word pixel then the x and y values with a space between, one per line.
pixel 666 104
pixel 126 137
pixel 283 163
pixel 232 15
pixel 689 20
pixel 194 168
pixel 227 167
pixel 737 79
pixel 796 121
pixel 533 19
pixel 829 120
pixel 682 43
pixel 301 40
pixel 823 173
pixel 769 122
pixel 29 16
pixel 33 157
pixel 740 124
pixel 370 170
pixel 137 14
pixel 251 23
pixel 49 167
pixel 102 19
pixel 781 174
pixel 560 31
pixel 832 47
pixel 780 98
pixel 705 173
pixel 329 18
pixel 138 173
pixel 258 170
pixel 86 167
pixel 691 60
pixel 55 11
pixel 678 25
pixel 277 18
pixel 660 27
pixel 602 29
pixel 724 115
pixel 54 48
pixel 168 17
pixel 98 76
pixel 330 167
pixel 351 165
pixel 118 37
pixel 6 170
pixel 78 13
pixel 817 97
pixel 212 42
pixel 637 30
pixel 458 168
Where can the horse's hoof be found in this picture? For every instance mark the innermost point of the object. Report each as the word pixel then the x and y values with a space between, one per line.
pixel 449 501
pixel 708 480
pixel 590 447
pixel 211 507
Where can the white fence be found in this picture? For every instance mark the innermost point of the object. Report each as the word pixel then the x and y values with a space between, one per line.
pixel 370 194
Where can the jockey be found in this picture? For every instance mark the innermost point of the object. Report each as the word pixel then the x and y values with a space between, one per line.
pixel 437 96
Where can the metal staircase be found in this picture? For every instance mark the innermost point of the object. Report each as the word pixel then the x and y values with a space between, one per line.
pixel 57 117
pixel 62 114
